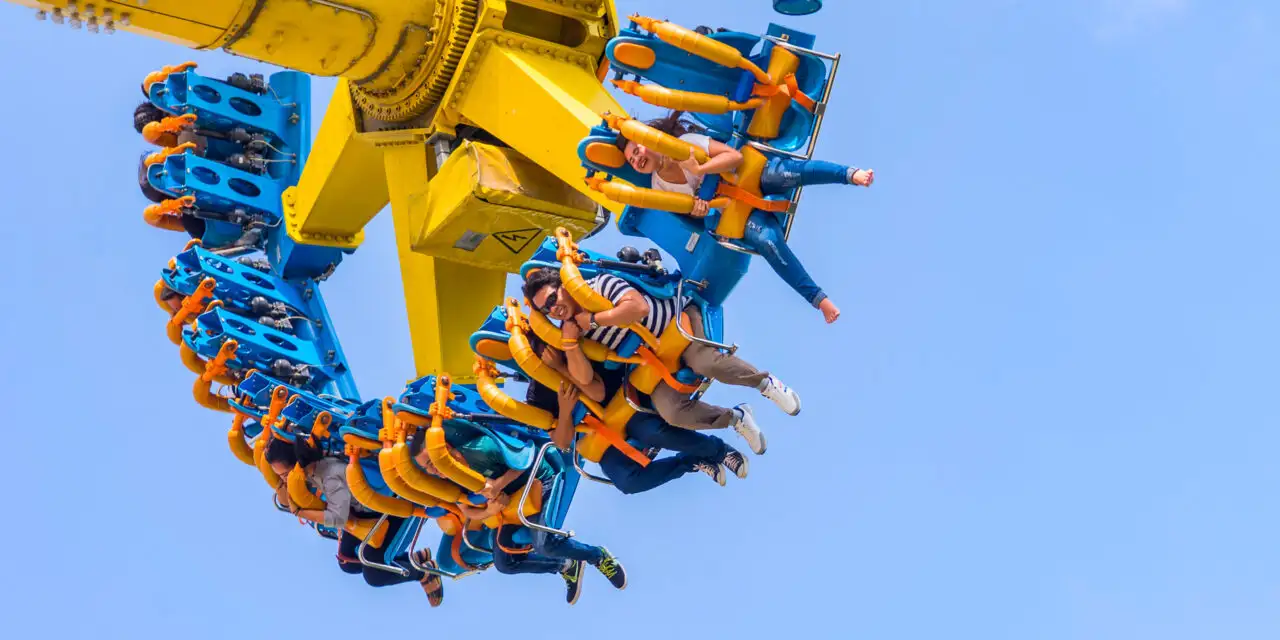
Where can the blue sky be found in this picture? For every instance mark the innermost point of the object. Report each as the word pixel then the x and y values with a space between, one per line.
pixel 1047 412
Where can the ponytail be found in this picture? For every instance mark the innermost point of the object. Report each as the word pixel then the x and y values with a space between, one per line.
pixel 675 124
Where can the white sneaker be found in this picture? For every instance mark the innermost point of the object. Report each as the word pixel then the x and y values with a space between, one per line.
pixel 781 395
pixel 744 423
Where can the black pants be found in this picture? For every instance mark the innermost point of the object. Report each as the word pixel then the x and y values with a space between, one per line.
pixel 349 562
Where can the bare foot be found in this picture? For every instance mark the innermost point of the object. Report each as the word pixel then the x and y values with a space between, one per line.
pixel 864 177
pixel 829 310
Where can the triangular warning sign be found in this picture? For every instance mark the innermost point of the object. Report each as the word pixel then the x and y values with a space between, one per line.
pixel 516 241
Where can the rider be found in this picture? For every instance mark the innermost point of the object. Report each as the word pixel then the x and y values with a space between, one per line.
pixel 694 451
pixel 147 113
pixel 764 233
pixel 329 477
pixel 630 305
pixel 551 553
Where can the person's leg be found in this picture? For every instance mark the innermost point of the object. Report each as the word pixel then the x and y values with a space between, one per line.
pixel 560 548
pixel 784 174
pixel 715 364
pixel 765 236
pixel 683 411
pixel 651 431
pixel 557 546
pixel 730 369
pixel 631 478
pixel 380 578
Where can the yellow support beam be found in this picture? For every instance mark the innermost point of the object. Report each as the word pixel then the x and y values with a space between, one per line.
pixel 343 185
pixel 540 98
pixel 446 301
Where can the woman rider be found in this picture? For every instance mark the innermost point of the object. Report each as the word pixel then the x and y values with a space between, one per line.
pixel 329 477
pixel 764 233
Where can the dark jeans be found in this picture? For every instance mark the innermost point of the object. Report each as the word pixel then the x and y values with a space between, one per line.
pixel 764 234
pixel 549 550
pixel 348 560
pixel 649 430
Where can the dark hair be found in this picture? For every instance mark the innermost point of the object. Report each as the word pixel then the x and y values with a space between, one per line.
pixel 153 194
pixel 281 451
pixel 674 124
pixel 145 114
pixel 299 452
pixel 536 343
pixel 537 279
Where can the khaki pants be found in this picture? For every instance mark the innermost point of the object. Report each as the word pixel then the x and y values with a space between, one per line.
pixel 682 411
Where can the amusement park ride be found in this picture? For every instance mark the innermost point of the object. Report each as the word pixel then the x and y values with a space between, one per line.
pixel 490 128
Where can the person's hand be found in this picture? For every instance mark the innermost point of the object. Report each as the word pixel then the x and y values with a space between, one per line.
pixel 700 208
pixel 570 330
pixel 568 397
pixel 552 358
pixel 583 320
pixel 691 165
pixel 490 490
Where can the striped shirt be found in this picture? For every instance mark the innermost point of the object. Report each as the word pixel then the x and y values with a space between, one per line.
pixel 612 287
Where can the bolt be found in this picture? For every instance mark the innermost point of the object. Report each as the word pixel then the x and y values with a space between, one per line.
pixel 93 24
pixel 125 18
pixel 42 15
pixel 58 18
pixel 75 22
pixel 109 28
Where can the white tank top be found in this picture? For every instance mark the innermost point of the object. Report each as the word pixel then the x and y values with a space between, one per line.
pixel 692 182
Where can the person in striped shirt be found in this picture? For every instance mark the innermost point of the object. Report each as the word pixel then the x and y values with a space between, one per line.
pixel 632 306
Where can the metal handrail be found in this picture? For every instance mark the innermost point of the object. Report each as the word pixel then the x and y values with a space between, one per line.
pixel 583 472
pixel 467 541
pixel 626 395
pixel 524 496
pixel 413 545
pixel 731 348
pixel 401 571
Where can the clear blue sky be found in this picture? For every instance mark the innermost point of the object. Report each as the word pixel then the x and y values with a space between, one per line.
pixel 1048 411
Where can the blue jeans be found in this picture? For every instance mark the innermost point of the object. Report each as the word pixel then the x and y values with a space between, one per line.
pixel 784 174
pixel 549 550
pixel 764 234
pixel 651 431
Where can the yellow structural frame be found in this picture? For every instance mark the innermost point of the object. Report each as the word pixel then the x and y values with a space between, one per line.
pixel 528 74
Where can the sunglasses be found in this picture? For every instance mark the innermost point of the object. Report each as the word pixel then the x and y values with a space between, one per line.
pixel 552 299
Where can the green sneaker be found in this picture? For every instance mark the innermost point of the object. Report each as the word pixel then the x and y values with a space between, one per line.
pixel 612 569
pixel 573 581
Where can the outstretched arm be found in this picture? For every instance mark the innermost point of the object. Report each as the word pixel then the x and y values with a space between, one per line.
pixel 722 158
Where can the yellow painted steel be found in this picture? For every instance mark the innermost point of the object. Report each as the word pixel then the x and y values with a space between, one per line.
pixel 525 71
pixel 343 185
pixel 490 206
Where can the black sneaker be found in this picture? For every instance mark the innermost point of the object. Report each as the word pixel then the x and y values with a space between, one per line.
pixel 612 569
pixel 573 581
pixel 712 469
pixel 735 462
